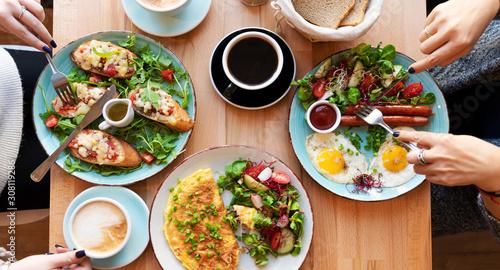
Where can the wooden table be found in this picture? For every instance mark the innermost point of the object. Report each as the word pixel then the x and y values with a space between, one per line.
pixel 393 234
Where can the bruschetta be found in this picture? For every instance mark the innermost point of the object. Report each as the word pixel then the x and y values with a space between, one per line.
pixel 102 148
pixel 167 112
pixel 104 58
pixel 87 95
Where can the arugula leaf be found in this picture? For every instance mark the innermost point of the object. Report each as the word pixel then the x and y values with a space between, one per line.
pixel 105 54
pixel 149 95
pixel 129 43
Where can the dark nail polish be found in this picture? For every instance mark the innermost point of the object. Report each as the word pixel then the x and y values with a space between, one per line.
pixel 395 134
pixel 49 253
pixel 57 245
pixel 47 50
pixel 74 248
pixel 80 254
pixel 53 44
pixel 411 70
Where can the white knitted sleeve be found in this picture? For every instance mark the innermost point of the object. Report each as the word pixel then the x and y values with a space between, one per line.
pixel 11 115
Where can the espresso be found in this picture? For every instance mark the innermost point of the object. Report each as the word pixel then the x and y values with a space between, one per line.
pixel 99 227
pixel 252 61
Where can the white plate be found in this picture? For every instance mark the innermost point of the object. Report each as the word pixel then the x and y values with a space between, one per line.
pixel 217 158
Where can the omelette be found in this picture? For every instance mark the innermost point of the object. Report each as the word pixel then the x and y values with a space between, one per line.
pixel 194 228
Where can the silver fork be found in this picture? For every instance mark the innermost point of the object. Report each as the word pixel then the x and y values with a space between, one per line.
pixel 61 84
pixel 373 116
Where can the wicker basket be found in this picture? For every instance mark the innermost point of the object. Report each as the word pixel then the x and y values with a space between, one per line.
pixel 285 10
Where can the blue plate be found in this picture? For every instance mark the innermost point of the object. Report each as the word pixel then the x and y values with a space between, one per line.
pixel 299 130
pixel 139 214
pixel 167 26
pixel 63 62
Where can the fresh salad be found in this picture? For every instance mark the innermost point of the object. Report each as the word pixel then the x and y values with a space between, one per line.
pixel 267 204
pixel 154 141
pixel 359 77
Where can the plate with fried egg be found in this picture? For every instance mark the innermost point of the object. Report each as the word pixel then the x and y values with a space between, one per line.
pixel 333 161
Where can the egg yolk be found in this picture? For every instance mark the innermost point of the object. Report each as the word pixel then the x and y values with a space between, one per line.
pixel 394 158
pixel 330 160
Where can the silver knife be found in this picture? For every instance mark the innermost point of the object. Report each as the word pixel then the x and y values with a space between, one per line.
pixel 388 89
pixel 94 112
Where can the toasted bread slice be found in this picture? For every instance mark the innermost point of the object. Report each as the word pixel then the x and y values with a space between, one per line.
pixel 99 147
pixel 106 62
pixel 169 112
pixel 88 95
pixel 325 13
pixel 356 15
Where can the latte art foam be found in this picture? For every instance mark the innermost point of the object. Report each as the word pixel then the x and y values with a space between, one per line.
pixel 99 227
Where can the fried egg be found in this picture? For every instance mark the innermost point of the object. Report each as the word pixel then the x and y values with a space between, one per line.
pixel 390 164
pixel 335 157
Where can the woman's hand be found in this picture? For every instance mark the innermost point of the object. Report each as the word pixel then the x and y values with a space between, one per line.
pixel 65 259
pixel 456 160
pixel 453 28
pixel 26 25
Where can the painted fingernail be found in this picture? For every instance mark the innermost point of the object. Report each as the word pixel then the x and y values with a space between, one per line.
pixel 74 248
pixel 57 245
pixel 49 253
pixel 53 44
pixel 80 254
pixel 395 134
pixel 47 50
pixel 411 70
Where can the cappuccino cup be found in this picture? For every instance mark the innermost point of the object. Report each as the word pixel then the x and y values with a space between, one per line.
pixel 251 61
pixel 117 112
pixel 101 226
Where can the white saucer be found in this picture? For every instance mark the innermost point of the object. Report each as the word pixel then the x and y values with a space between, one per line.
pixel 139 214
pixel 161 25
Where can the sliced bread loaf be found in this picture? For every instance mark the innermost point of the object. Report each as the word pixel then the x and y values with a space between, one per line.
pixel 356 15
pixel 325 13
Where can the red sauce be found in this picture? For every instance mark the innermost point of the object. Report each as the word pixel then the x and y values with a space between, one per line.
pixel 323 117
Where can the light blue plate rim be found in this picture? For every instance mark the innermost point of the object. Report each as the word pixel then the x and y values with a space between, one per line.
pixel 139 214
pixel 63 62
pixel 299 130
pixel 167 26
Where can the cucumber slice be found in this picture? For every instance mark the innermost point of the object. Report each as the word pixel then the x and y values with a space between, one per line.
pixel 287 241
pixel 253 184
pixel 323 69
pixel 356 75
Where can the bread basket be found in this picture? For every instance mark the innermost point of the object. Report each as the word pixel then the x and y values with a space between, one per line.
pixel 285 10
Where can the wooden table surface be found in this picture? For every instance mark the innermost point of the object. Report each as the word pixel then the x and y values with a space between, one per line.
pixel 393 234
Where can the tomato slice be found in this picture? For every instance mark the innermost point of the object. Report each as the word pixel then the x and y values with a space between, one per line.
pixel 255 171
pixel 168 75
pixel 52 121
pixel 280 177
pixel 95 78
pixel 111 70
pixel 147 157
pixel 396 89
pixel 413 90
pixel 319 87
pixel 275 241
pixel 368 84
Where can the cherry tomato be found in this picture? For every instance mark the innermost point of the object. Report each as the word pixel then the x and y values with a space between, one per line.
pixel 395 90
pixel 111 70
pixel 255 171
pixel 95 78
pixel 319 87
pixel 275 241
pixel 280 177
pixel 168 75
pixel 368 84
pixel 147 157
pixel 413 90
pixel 52 121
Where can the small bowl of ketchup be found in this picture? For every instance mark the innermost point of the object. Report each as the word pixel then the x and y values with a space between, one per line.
pixel 323 116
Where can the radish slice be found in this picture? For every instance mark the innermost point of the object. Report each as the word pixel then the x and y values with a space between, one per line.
pixel 283 222
pixel 257 201
pixel 265 174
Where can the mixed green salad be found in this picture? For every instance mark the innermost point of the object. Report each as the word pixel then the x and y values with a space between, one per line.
pixel 358 78
pixel 266 202
pixel 154 141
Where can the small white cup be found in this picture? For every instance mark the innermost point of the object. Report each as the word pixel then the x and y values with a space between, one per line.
pixel 125 121
pixel 326 103
pixel 236 83
pixel 169 11
pixel 94 230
